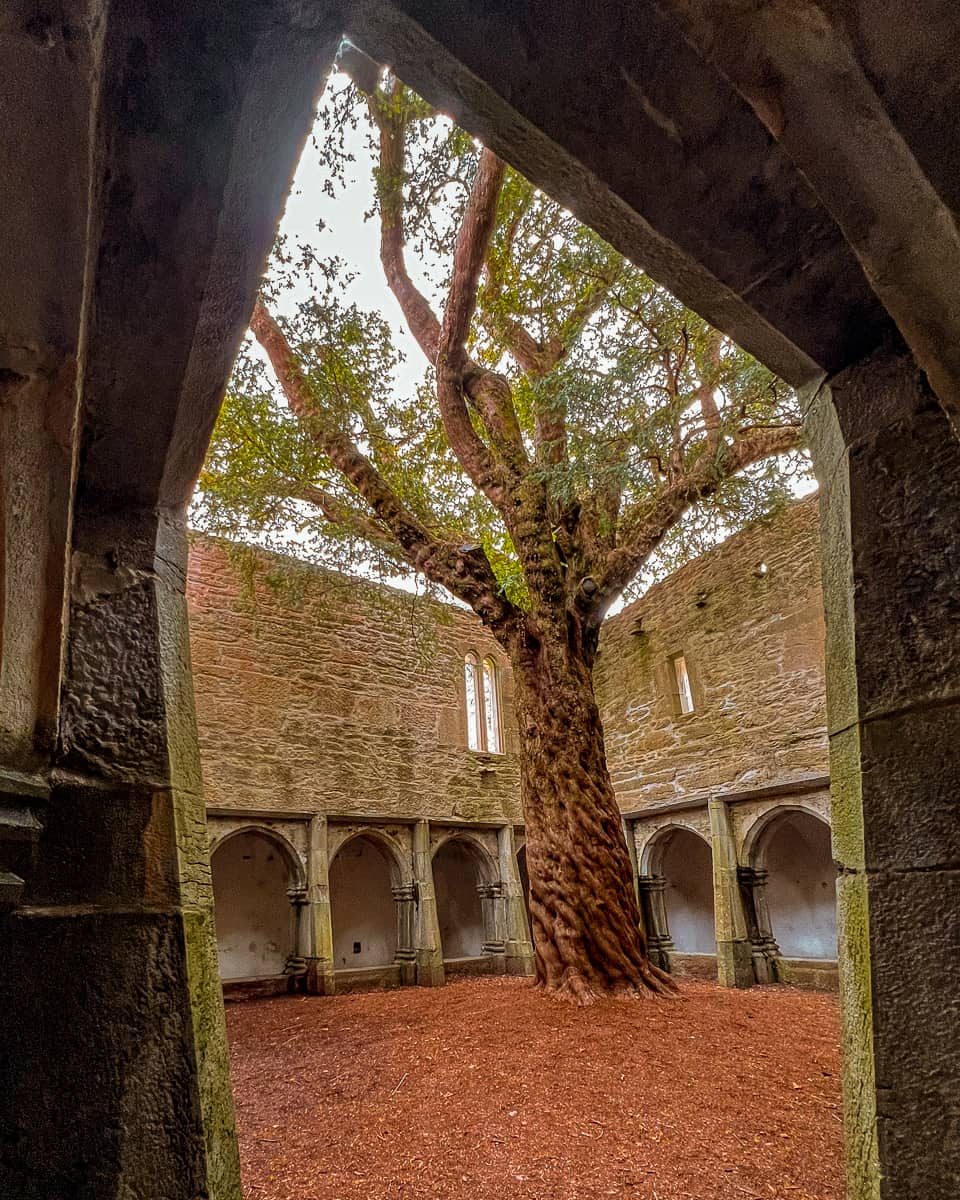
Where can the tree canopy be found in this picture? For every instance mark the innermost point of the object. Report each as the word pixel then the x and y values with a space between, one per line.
pixel 572 414
pixel 648 430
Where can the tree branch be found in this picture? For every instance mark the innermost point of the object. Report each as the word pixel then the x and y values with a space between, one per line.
pixel 643 527
pixel 390 121
pixel 461 569
pixel 457 377
pixel 705 390
pixel 337 513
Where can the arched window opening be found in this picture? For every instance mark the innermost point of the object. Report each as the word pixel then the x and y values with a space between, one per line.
pixel 482 689
pixel 474 725
pixel 491 706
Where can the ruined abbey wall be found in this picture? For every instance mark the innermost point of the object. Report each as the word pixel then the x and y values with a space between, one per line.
pixel 332 718
pixel 322 695
pixel 747 617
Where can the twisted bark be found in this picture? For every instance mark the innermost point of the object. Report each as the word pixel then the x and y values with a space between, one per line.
pixel 586 924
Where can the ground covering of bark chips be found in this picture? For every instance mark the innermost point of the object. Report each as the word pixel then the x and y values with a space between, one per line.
pixel 485 1089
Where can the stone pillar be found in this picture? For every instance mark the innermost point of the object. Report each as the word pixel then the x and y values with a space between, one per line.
pixel 404 896
pixel 888 462
pixel 734 957
pixel 429 950
pixel 318 943
pixel 764 950
pixel 518 945
pixel 491 896
pixel 630 838
pixel 296 964
pixel 654 911
pixel 109 987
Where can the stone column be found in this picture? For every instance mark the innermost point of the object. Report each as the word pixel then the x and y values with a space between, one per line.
pixel 734 952
pixel 404 897
pixel 427 944
pixel 654 911
pixel 764 950
pixel 518 945
pixel 888 462
pixel 491 907
pixel 630 837
pixel 318 945
pixel 296 964
pixel 109 988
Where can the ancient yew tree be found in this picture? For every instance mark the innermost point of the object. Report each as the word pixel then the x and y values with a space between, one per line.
pixel 574 419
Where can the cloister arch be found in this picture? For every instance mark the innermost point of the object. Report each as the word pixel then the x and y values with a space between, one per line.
pixel 464 876
pixel 789 848
pixel 256 875
pixel 683 859
pixel 365 875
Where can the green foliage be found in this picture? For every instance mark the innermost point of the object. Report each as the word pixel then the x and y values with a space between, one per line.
pixel 628 365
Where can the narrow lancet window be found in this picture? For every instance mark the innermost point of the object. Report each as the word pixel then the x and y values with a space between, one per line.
pixel 491 707
pixel 684 692
pixel 472 682
pixel 482 694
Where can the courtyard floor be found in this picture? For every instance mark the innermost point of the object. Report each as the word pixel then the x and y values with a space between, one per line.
pixel 485 1089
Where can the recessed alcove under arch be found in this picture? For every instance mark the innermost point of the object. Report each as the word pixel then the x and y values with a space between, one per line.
pixel 363 910
pixel 253 872
pixel 793 846
pixel 685 861
pixel 460 868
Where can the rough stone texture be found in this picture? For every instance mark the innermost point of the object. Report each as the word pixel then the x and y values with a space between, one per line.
pixel 754 649
pixel 181 129
pixel 889 466
pixel 47 79
pixel 147 153
pixel 327 696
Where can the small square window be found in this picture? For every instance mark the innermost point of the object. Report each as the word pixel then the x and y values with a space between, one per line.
pixel 683 693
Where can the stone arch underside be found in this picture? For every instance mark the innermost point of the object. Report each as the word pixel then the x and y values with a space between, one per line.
pixel 793 847
pixel 252 874
pixel 363 875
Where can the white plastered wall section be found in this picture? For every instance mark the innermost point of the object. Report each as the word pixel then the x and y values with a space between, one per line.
pixel 790 840
pixel 363 911
pixel 251 877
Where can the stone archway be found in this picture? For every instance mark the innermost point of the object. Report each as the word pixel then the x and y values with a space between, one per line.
pixel 256 877
pixel 364 880
pixel 676 895
pixel 466 889
pixel 791 854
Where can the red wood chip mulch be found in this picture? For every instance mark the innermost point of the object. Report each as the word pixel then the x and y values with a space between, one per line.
pixel 486 1089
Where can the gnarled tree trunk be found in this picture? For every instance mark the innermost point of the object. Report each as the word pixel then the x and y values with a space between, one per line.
pixel 586 923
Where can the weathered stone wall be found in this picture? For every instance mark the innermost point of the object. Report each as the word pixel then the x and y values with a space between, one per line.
pixel 753 644
pixel 329 696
